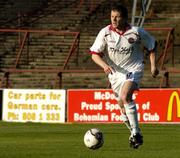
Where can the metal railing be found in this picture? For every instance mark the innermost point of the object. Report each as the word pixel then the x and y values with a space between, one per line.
pixel 164 71
pixel 74 48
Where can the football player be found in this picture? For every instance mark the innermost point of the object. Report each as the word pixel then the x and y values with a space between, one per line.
pixel 117 49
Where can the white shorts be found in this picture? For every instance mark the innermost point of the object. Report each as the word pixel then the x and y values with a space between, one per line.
pixel 117 80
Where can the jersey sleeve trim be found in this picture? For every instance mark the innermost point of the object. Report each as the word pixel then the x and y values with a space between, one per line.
pixel 97 53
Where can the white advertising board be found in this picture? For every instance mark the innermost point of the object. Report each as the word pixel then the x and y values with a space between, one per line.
pixel 32 105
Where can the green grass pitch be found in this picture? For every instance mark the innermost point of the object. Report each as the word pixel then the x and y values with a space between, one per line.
pixel 35 140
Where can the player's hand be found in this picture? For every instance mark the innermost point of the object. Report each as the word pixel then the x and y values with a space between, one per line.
pixel 109 70
pixel 154 72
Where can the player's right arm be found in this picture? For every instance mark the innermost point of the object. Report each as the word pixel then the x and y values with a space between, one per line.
pixel 97 50
pixel 99 61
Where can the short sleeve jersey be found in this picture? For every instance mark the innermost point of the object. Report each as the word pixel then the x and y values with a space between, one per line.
pixel 123 50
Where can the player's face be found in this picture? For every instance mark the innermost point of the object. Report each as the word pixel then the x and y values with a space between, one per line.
pixel 116 19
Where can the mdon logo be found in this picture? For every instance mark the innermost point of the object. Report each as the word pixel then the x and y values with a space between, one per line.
pixel 174 96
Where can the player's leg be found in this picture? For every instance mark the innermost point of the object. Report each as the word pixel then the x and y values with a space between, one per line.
pixel 129 105
pixel 117 82
pixel 131 111
pixel 124 116
pixel 117 79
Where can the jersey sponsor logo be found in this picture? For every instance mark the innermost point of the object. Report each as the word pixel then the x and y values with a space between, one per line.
pixel 174 96
pixel 122 50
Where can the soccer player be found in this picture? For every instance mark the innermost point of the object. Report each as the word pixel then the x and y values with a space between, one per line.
pixel 117 49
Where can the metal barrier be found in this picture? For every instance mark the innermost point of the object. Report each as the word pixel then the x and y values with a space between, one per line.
pixel 74 48
pixel 164 71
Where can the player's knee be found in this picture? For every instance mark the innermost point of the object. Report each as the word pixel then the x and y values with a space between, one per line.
pixel 125 98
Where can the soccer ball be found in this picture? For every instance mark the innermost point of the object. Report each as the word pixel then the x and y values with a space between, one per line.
pixel 93 138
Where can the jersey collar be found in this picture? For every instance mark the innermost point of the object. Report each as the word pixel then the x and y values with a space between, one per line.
pixel 113 29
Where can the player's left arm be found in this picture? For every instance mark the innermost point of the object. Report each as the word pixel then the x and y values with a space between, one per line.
pixel 150 44
pixel 154 69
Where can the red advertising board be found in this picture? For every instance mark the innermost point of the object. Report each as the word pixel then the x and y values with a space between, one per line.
pixel 99 105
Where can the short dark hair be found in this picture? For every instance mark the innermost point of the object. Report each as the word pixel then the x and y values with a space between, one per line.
pixel 121 9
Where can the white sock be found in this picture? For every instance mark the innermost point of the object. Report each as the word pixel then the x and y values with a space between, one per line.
pixel 131 113
pixel 125 120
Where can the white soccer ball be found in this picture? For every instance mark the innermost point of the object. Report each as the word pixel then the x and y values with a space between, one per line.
pixel 93 138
